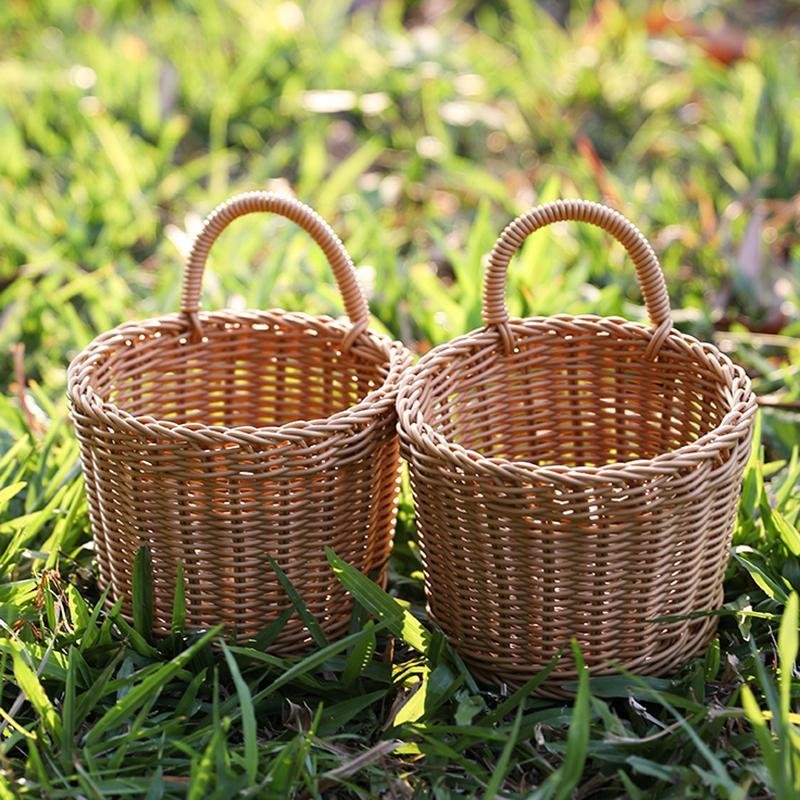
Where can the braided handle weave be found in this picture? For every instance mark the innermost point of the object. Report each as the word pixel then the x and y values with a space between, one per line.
pixel 648 270
pixel 342 265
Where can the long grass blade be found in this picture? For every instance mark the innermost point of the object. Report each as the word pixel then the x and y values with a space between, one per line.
pixel 142 597
pixel 308 618
pixel 248 716
pixel 501 768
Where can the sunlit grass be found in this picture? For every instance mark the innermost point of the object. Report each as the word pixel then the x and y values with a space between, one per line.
pixel 419 135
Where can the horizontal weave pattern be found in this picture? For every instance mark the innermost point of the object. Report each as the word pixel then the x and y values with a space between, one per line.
pixel 269 435
pixel 574 486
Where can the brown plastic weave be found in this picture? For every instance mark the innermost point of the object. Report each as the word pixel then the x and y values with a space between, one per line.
pixel 221 439
pixel 575 476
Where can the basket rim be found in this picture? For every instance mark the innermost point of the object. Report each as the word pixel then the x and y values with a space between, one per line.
pixel 418 433
pixel 84 399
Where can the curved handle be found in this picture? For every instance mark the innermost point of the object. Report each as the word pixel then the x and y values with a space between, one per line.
pixel 342 265
pixel 648 270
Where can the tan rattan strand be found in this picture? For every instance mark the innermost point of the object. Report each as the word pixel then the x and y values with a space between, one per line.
pixel 219 439
pixel 575 477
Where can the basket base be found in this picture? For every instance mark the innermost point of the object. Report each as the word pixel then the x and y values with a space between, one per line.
pixel 562 682
pixel 294 641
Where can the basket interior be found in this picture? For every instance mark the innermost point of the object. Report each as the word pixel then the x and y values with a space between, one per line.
pixel 248 373
pixel 577 400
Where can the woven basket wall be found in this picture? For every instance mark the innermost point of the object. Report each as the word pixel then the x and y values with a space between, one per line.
pixel 221 439
pixel 575 477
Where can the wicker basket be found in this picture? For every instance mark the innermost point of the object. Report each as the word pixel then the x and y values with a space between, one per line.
pixel 221 439
pixel 575 476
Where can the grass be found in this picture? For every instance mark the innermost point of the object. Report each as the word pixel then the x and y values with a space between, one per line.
pixel 418 134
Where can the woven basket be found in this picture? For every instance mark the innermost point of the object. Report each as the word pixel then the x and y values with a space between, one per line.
pixel 575 476
pixel 222 439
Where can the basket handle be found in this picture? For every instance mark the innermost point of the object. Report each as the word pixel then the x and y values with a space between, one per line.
pixel 342 265
pixel 648 270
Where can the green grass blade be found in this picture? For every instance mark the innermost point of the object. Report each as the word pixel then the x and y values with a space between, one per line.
pixel 248 716
pixel 633 791
pixel 501 768
pixel 142 593
pixel 155 791
pixel 7 492
pixel 571 770
pixel 264 639
pixel 189 697
pixel 516 698
pixel 29 683
pixel 5 789
pixel 309 620
pixel 359 657
pixel 334 717
pixel 202 773
pixel 36 766
pixel 98 689
pixel 720 774
pixel 316 659
pixel 779 527
pixel 438 747
pixel 88 622
pixel 400 621
pixel 137 641
pixel 791 481
pixel 68 722
pixel 755 717
pixel 760 573
pixel 787 650
pixel 179 601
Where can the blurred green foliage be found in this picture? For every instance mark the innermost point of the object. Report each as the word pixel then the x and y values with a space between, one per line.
pixel 419 130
